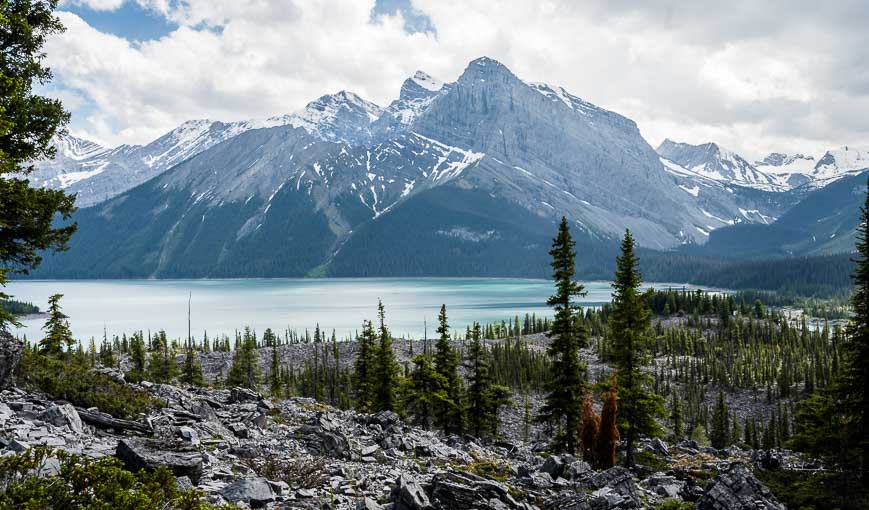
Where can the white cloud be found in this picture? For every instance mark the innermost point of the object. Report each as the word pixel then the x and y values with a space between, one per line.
pixel 790 76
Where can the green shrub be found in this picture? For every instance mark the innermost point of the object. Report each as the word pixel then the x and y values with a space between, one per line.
pixel 73 380
pixel 796 489
pixel 675 504
pixel 88 483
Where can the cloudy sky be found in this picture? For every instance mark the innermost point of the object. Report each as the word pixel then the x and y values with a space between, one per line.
pixel 786 75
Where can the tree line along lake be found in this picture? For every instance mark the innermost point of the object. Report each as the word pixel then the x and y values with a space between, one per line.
pixel 226 305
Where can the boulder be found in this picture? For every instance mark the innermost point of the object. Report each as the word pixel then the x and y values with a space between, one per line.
pixel 658 447
pixel 737 488
pixel 141 454
pixel 240 395
pixel 254 491
pixel 63 415
pixel 10 354
pixel 576 470
pixel 408 495
pixel 553 465
pixel 188 435
pixel 368 504
pixel 616 489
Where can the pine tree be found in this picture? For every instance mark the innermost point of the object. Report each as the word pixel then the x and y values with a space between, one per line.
pixel 32 218
pixel 364 368
pixel 161 366
pixel 57 332
pixel 567 382
pixel 719 435
pixel 676 417
pixel 386 368
pixel 484 399
pixel 245 371
pixel 448 411
pixel 854 385
pixel 275 382
pixel 630 324
pixel 137 358
pixel 192 371
pixel 424 389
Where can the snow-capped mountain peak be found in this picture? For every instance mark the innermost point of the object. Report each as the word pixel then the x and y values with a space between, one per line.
pixel 840 162
pixel 77 149
pixel 426 81
pixel 343 116
pixel 712 161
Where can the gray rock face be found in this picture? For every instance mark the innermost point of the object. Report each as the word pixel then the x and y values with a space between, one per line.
pixel 254 491
pixel 139 454
pixel 63 415
pixel 737 488
pixel 408 495
pixel 10 354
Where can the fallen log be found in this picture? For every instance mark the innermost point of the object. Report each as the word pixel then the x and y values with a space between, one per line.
pixel 107 421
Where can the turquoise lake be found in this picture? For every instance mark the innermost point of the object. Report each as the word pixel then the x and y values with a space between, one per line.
pixel 223 306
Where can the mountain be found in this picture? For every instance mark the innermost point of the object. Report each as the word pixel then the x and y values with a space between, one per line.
pixel 823 223
pixel 839 162
pixel 461 178
pixel 714 162
pixel 97 174
pixel 793 170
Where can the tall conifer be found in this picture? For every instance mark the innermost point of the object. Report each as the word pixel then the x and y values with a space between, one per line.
pixel 567 382
pixel 630 333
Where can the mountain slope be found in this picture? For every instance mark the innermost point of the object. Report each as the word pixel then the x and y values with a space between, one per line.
pixel 479 171
pixel 823 223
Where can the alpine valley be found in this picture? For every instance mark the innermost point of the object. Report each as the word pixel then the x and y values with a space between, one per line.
pixel 461 178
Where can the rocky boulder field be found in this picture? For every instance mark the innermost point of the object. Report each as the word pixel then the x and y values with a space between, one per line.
pixel 240 448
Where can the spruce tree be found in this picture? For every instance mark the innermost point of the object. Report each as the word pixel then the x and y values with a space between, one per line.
pixel 630 325
pixel 192 371
pixel 424 389
pixel 275 382
pixel 386 368
pixel 448 411
pixel 245 371
pixel 137 358
pixel 719 435
pixel 161 366
pixel 31 217
pixel 567 381
pixel 57 332
pixel 484 399
pixel 854 385
pixel 364 368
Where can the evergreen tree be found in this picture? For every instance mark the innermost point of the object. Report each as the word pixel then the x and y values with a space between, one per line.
pixel 137 358
pixel 567 382
pixel 720 424
pixel 386 368
pixel 364 368
pixel 275 382
pixel 424 389
pixel 191 373
pixel 245 371
pixel 448 411
pixel 676 417
pixel 484 399
pixel 161 366
pixel 630 324
pixel 28 124
pixel 854 386
pixel 57 332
